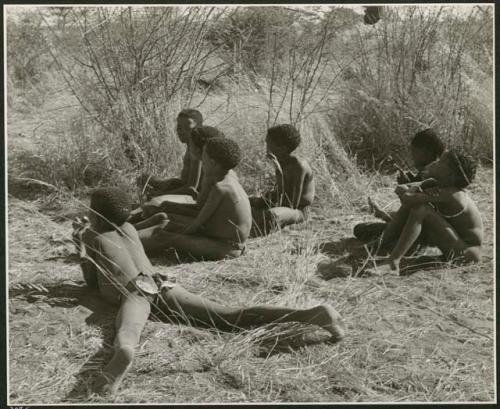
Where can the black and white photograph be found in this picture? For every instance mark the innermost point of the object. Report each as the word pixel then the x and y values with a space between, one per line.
pixel 232 204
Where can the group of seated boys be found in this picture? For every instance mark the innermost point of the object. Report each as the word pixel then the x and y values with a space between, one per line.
pixel 207 214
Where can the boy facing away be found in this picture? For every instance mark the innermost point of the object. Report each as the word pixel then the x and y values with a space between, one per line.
pixel 293 194
pixel 425 148
pixel 114 261
pixel 221 226
pixel 438 209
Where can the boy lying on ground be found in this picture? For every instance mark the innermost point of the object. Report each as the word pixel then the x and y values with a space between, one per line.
pixel 426 147
pixel 113 260
pixel 445 215
pixel 289 201
pixel 154 187
pixel 222 225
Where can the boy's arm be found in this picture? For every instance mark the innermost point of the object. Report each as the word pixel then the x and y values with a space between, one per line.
pixel 83 239
pixel 298 185
pixel 417 196
pixel 213 201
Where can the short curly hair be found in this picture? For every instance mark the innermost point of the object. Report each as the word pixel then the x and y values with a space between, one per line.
pixel 463 166
pixel 113 205
pixel 201 134
pixel 193 114
pixel 224 151
pixel 286 135
pixel 429 140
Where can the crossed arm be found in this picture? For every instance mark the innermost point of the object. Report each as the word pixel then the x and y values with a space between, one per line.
pixel 415 194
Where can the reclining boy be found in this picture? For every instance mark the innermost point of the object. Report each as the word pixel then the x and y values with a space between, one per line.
pixel 289 202
pixel 185 187
pixel 222 225
pixel 113 260
pixel 426 147
pixel 445 215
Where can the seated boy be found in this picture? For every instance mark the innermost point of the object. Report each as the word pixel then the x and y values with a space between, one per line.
pixel 185 187
pixel 222 225
pixel 289 201
pixel 445 215
pixel 156 210
pixel 113 260
pixel 426 147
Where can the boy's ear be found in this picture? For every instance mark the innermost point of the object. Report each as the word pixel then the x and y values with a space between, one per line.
pixel 192 123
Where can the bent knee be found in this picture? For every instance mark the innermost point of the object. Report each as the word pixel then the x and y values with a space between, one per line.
pixel 421 211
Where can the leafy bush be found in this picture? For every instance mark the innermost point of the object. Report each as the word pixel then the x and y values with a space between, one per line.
pixel 409 74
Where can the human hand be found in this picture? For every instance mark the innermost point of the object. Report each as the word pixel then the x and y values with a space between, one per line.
pixel 401 189
pixel 80 226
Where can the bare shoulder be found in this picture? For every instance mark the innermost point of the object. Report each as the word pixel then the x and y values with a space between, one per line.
pixel 300 164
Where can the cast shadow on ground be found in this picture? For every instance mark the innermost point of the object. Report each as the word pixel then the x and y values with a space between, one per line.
pixel 348 258
pixel 71 295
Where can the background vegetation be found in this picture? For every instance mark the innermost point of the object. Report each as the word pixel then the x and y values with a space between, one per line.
pixel 357 92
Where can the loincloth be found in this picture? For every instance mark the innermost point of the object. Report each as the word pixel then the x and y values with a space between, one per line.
pixel 145 286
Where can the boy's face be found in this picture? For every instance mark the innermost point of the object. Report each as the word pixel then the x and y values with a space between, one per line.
pixel 421 157
pixel 279 151
pixel 184 127
pixel 441 171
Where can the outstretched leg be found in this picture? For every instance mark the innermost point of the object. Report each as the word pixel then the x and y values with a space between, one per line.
pixel 130 322
pixel 186 307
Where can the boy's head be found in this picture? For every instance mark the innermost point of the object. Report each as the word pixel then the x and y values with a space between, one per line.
pixel 200 135
pixel 186 121
pixel 109 205
pixel 454 168
pixel 426 147
pixel 281 140
pixel 222 153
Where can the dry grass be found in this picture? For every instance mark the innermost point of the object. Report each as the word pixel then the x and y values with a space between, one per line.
pixel 408 338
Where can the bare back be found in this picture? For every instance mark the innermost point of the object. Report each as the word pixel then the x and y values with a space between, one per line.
pixel 297 183
pixel 120 257
pixel 232 219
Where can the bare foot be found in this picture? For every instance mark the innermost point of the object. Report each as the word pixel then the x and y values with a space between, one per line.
pixel 377 211
pixel 109 381
pixel 384 267
pixel 328 318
